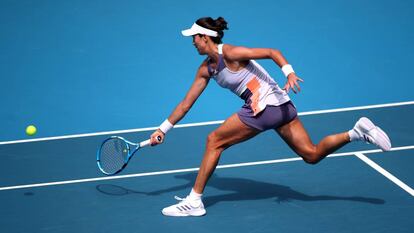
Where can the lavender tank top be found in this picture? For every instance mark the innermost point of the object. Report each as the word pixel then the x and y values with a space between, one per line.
pixel 265 91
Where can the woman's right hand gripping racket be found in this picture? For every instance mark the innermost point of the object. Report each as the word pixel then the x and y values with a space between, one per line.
pixel 115 153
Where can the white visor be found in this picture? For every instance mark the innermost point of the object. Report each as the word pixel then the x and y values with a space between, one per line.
pixel 197 29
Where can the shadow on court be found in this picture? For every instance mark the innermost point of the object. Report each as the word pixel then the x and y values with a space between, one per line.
pixel 241 190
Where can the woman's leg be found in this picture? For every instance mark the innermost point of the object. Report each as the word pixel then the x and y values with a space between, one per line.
pixel 231 132
pixel 295 135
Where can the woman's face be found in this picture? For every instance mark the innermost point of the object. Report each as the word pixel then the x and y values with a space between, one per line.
pixel 200 42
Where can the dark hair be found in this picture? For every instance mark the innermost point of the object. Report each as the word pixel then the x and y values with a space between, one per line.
pixel 217 25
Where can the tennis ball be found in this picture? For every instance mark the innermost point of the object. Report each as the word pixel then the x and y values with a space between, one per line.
pixel 31 130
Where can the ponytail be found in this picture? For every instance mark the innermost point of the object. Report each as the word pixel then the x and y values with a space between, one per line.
pixel 218 25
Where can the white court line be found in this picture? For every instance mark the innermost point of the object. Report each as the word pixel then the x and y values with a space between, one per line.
pixel 200 124
pixel 385 173
pixel 356 108
pixel 190 169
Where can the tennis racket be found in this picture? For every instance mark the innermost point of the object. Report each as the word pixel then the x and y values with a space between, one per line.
pixel 115 153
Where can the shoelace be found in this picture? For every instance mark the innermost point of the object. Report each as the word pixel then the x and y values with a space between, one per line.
pixel 179 198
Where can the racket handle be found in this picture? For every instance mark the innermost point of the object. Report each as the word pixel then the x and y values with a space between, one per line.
pixel 148 142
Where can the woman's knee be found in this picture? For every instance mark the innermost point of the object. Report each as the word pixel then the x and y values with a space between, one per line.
pixel 309 155
pixel 214 142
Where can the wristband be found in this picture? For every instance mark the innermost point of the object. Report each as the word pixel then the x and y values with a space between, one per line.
pixel 166 126
pixel 287 69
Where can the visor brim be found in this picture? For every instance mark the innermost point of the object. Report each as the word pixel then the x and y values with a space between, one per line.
pixel 188 32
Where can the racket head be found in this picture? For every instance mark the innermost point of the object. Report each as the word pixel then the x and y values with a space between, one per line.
pixel 113 155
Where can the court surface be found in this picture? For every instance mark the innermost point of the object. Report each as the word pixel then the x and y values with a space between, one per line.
pixel 53 185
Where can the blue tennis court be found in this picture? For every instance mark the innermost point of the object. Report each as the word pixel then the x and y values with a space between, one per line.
pixel 259 186
pixel 81 71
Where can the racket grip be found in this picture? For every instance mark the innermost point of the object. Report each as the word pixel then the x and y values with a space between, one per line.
pixel 148 142
pixel 145 143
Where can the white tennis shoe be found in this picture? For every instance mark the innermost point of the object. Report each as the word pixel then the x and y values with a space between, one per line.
pixel 185 207
pixel 372 134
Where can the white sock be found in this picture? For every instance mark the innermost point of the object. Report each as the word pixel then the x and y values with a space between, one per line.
pixel 353 135
pixel 195 196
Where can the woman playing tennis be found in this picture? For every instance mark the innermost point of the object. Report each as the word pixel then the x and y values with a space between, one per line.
pixel 267 106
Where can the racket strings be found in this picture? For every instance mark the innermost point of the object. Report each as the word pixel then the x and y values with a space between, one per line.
pixel 113 155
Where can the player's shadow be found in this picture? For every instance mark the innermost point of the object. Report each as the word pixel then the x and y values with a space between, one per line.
pixel 245 189
pixel 239 189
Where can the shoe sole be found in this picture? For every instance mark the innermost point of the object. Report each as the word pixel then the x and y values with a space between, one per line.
pixel 381 138
pixel 194 214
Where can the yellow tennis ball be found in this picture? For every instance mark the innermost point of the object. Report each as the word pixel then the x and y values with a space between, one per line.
pixel 31 130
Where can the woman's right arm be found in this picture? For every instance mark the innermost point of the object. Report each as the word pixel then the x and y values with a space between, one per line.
pixel 199 84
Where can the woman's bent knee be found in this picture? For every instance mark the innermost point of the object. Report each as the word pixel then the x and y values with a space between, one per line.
pixel 310 156
pixel 311 160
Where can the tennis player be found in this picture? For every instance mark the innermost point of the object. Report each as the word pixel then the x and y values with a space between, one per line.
pixel 267 106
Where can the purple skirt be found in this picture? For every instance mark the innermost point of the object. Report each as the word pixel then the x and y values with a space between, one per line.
pixel 272 117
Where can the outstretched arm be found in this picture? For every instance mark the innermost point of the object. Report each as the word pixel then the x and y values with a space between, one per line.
pixel 200 83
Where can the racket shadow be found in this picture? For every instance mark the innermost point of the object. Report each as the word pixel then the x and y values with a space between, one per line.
pixel 116 190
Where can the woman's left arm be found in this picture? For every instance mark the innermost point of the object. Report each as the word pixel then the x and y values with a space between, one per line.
pixel 239 53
